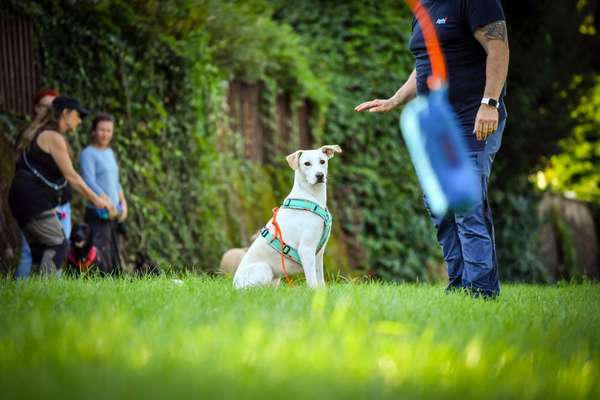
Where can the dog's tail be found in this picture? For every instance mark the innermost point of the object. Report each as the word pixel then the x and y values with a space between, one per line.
pixel 255 274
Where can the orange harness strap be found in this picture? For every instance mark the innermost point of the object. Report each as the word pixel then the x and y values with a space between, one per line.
pixel 280 237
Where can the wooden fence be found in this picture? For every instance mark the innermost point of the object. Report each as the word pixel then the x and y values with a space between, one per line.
pixel 264 139
pixel 18 77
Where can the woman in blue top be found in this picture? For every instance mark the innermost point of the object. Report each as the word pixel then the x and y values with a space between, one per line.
pixel 101 172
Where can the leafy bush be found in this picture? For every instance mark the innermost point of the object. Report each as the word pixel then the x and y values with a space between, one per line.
pixel 517 227
pixel 575 170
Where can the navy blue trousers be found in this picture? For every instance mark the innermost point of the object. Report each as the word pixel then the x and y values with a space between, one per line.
pixel 467 239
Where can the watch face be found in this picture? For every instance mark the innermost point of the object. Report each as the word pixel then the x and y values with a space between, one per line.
pixel 490 102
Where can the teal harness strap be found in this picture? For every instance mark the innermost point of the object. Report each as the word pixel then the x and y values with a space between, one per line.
pixel 275 243
pixel 304 205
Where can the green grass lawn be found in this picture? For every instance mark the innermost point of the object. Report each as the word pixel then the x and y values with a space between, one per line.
pixel 104 338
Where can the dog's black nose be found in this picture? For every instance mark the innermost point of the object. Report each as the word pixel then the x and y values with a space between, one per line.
pixel 320 176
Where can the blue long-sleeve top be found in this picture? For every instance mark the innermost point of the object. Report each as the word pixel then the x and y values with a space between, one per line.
pixel 100 172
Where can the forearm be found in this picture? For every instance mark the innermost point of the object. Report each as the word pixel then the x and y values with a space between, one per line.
pixel 93 185
pixel 58 150
pixel 77 182
pixel 407 92
pixel 496 70
pixel 88 172
pixel 494 40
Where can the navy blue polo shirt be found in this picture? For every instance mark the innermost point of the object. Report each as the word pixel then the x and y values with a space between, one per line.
pixel 455 22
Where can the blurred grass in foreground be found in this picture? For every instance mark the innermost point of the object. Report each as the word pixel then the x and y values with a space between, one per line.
pixel 154 338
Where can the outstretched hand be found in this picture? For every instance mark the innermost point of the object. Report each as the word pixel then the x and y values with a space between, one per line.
pixel 376 105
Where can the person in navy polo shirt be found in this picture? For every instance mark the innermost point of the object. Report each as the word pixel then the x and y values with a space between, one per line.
pixel 474 41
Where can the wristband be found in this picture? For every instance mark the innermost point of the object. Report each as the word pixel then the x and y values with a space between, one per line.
pixel 490 102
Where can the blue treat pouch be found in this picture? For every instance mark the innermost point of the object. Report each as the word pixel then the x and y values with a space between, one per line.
pixel 439 154
pixel 103 213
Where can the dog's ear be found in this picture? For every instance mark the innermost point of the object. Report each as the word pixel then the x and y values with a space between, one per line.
pixel 330 149
pixel 293 158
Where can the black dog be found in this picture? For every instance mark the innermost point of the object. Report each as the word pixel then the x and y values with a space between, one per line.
pixel 144 265
pixel 83 255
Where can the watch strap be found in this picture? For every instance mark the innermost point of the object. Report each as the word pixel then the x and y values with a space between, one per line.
pixel 490 102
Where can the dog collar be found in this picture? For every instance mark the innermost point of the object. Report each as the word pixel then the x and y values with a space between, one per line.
pixel 87 262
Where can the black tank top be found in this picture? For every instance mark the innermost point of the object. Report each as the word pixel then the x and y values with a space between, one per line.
pixel 37 159
pixel 38 185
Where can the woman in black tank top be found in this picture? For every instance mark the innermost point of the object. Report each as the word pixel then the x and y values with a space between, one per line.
pixel 38 184
pixel 44 170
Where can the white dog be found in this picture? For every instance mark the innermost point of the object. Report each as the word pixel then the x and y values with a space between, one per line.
pixel 305 226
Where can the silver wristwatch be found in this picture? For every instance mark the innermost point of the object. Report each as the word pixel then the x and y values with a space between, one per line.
pixel 490 102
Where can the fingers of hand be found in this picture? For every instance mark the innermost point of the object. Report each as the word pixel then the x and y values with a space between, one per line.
pixel 373 106
pixel 360 107
pixel 367 105
pixel 491 127
pixel 379 108
pixel 486 130
pixel 479 129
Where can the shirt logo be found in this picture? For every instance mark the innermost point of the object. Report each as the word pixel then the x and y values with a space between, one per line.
pixel 441 21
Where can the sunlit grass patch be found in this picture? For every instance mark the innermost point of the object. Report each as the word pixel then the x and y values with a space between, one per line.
pixel 155 338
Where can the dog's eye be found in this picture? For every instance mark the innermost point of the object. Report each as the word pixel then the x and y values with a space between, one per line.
pixel 307 163
pixel 322 162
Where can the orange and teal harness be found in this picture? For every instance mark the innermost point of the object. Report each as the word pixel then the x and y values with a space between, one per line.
pixel 275 240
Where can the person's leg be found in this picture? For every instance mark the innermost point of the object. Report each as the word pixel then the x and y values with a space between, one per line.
pixel 480 273
pixel 65 220
pixel 447 236
pixel 24 268
pixel 102 239
pixel 115 248
pixel 476 229
pixel 49 259
pixel 492 147
pixel 122 231
pixel 48 243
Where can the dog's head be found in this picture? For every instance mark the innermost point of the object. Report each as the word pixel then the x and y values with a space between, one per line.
pixel 312 164
pixel 81 236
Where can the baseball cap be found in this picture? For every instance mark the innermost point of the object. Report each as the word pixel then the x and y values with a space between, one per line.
pixel 69 103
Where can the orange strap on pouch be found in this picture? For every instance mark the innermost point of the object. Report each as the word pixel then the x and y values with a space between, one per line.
pixel 434 50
